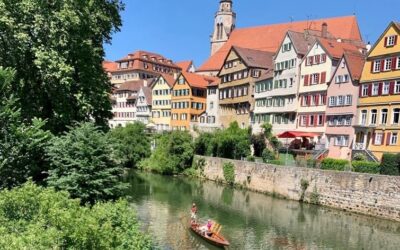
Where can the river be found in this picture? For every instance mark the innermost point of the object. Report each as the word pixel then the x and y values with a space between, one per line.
pixel 249 220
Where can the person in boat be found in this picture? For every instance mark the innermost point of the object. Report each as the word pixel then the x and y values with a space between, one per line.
pixel 193 212
pixel 209 226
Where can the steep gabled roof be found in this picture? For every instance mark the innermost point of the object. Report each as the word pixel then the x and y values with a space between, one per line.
pixel 198 81
pixel 131 86
pixel 395 25
pixel 336 49
pixel 169 79
pixel 185 65
pixel 355 63
pixel 269 37
pixel 266 75
pixel 301 41
pixel 147 94
pixel 255 58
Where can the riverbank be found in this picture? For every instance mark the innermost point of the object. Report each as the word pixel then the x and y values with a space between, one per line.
pixel 374 195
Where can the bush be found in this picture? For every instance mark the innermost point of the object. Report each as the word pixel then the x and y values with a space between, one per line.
pixel 258 142
pixel 268 155
pixel 173 154
pixel 334 164
pixel 132 143
pixel 33 217
pixel 390 164
pixel 83 162
pixel 359 157
pixel 277 162
pixel 229 173
pixel 366 167
pixel 251 158
pixel 205 144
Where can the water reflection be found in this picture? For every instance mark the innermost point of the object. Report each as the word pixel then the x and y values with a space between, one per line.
pixel 250 220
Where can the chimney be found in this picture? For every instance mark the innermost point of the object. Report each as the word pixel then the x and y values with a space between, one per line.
pixel 324 31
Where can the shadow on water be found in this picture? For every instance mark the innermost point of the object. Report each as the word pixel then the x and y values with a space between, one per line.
pixel 250 220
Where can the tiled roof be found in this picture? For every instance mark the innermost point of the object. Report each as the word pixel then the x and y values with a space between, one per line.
pixel 302 41
pixel 198 81
pixel 185 65
pixel 355 63
pixel 397 25
pixel 131 86
pixel 255 58
pixel 336 49
pixel 148 95
pixel 215 83
pixel 269 37
pixel 109 66
pixel 169 79
pixel 266 75
pixel 150 57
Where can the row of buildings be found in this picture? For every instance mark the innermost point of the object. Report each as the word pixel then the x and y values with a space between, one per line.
pixel 316 77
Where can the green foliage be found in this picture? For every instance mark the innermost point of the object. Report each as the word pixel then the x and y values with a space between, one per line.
pixel 273 140
pixel 173 154
pixel 229 172
pixel 314 196
pixel 206 144
pixel 251 158
pixel 366 167
pixel 57 49
pixel 277 162
pixel 258 142
pixel 268 155
pixel 22 146
pixel 359 157
pixel 304 185
pixel 334 164
pixel 37 218
pixel 390 164
pixel 83 163
pixel 132 143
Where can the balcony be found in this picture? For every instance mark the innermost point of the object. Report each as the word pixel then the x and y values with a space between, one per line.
pixel 359 146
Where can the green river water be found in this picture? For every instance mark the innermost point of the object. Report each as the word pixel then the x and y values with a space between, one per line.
pixel 250 220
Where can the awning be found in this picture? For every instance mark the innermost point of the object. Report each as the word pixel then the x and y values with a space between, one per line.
pixel 294 134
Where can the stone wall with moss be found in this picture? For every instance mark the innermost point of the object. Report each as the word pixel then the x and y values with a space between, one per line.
pixel 375 195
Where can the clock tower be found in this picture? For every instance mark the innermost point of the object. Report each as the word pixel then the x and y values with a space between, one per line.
pixel 224 24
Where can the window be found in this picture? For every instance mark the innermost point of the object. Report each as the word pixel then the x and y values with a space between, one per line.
pixel 396 116
pixel 393 139
pixel 390 41
pixel 364 91
pixel 347 121
pixel 320 120
pixel 397 87
pixel 349 99
pixel 378 139
pixel 341 141
pixel 377 66
pixel 398 63
pixel 374 114
pixel 363 118
pixel 388 64
pixel 332 101
pixel 338 79
pixel 315 79
pixel 384 113
pixel 375 89
pixel 340 100
pixel 303 120
pixel 385 88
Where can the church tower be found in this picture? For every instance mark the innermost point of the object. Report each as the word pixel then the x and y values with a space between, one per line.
pixel 224 24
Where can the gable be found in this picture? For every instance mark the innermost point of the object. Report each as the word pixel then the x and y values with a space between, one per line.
pixel 280 51
pixel 380 48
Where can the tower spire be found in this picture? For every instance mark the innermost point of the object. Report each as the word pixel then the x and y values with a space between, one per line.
pixel 224 24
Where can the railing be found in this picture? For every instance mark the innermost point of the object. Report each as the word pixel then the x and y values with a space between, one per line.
pixel 359 146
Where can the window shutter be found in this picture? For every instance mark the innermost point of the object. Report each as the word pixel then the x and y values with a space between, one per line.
pixel 317 100
pixel 311 60
pixel 306 80
pixel 323 77
pixel 388 138
pixel 301 100
pixel 380 88
pixel 324 99
pixel 372 66
pixel 382 64
pixel 373 138
pixel 370 90
pixel 391 88
pixel 318 78
pixel 315 120
pixel 308 100
pixel 395 40
pixel 394 62
pixel 307 120
pixel 360 91
pixel 323 58
pixel 386 40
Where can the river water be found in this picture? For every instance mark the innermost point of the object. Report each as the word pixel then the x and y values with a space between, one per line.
pixel 250 220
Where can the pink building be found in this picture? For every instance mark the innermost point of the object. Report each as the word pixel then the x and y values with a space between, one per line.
pixel 341 111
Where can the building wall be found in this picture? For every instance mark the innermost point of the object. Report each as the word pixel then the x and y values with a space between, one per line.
pixel 332 131
pixel 161 113
pixel 210 119
pixel 143 108
pixel 374 195
pixel 123 113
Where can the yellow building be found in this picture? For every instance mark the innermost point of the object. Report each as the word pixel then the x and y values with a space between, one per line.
pixel 378 126
pixel 161 106
pixel 189 95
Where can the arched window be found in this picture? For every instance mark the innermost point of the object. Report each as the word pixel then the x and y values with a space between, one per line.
pixel 219 32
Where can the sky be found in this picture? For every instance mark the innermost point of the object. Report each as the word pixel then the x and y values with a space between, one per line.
pixel 180 29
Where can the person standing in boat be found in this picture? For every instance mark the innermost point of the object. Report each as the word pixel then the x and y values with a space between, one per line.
pixel 193 212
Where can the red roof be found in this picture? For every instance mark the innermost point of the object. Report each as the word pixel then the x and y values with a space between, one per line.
pixel 294 134
pixel 269 37
pixel 355 63
pixel 255 58
pixel 131 86
pixel 198 81
pixel 109 66
pixel 185 65
pixel 337 49
pixel 169 79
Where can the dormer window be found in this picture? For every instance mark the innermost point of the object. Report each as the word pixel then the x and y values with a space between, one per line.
pixel 144 56
pixel 123 65
pixel 390 41
pixel 286 47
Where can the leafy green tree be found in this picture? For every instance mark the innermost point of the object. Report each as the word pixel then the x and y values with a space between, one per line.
pixel 57 49
pixel 22 146
pixel 34 217
pixel 133 144
pixel 205 144
pixel 272 140
pixel 233 142
pixel 84 163
pixel 258 142
pixel 173 154
pixel 390 164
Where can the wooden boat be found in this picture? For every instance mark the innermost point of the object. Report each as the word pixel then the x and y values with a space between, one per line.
pixel 216 239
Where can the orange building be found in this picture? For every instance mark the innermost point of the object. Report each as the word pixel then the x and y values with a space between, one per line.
pixel 188 100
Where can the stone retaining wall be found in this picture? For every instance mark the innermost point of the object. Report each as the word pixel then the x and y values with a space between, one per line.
pixel 375 195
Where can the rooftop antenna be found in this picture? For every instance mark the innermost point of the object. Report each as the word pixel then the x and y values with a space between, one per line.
pixel 291 19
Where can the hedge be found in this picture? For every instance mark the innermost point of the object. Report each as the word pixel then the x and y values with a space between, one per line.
pixel 334 164
pixel 390 164
pixel 366 167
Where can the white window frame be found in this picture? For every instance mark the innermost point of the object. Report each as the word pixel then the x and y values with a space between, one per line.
pixel 385 88
pixel 349 100
pixel 397 87
pixel 364 91
pixel 377 66
pixel 378 138
pixel 363 117
pixel 394 138
pixel 398 63
pixel 388 64
pixel 375 89
pixel 374 117
pixel 390 40
pixel 398 116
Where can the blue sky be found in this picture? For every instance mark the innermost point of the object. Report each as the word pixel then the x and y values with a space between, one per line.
pixel 180 29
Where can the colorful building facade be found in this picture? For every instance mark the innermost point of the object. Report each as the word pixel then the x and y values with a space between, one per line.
pixel 161 96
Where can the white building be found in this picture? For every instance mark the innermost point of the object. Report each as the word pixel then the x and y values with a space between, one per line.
pixel 143 105
pixel 209 120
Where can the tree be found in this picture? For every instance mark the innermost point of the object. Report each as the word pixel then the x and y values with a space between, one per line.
pixel 34 217
pixel 57 50
pixel 132 142
pixel 233 142
pixel 22 146
pixel 258 142
pixel 390 164
pixel 272 140
pixel 84 163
